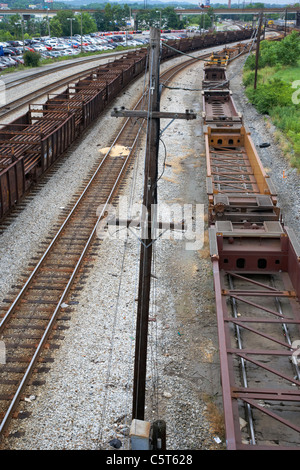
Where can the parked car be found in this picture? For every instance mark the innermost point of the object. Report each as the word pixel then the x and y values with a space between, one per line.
pixel 39 48
pixel 8 61
pixel 14 43
pixel 19 59
pixel 59 47
pixel 3 65
pixel 7 51
pixel 54 53
pixel 67 52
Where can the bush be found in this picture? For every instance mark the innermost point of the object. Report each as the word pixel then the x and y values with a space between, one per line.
pixel 248 78
pixel 271 94
pixel 31 59
pixel 276 53
pixel 287 118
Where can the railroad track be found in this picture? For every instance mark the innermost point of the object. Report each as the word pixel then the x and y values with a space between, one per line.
pixel 28 322
pixel 19 103
pixel 38 303
pixel 30 319
pixel 17 81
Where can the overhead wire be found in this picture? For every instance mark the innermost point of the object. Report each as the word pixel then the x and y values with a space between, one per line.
pixel 108 372
pixel 253 38
pixel 154 364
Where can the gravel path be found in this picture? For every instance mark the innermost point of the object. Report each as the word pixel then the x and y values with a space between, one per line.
pixel 86 400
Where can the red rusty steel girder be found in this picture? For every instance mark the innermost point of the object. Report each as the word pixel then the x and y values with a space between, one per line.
pixel 256 269
pixel 258 314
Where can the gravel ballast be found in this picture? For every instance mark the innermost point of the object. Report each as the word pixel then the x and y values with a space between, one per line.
pixel 86 400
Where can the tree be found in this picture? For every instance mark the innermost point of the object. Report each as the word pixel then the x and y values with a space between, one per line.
pixel 113 18
pixel 100 21
pixel 31 59
pixel 170 19
pixel 55 27
pixel 88 23
pixel 62 17
pixel 204 21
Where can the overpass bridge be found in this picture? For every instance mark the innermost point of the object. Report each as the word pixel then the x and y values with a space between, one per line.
pixel 26 13
pixel 238 11
pixel 181 11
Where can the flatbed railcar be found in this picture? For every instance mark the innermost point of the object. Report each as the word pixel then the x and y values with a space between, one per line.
pixel 32 143
pixel 256 270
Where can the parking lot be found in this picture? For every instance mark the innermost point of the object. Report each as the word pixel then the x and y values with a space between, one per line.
pixel 52 47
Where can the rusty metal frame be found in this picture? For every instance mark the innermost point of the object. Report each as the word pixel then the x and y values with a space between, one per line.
pixel 252 397
pixel 232 172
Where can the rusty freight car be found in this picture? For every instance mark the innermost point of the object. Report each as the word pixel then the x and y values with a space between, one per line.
pixel 31 144
pixel 256 272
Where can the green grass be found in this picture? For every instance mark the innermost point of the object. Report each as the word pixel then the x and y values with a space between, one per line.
pixel 287 73
pixel 274 97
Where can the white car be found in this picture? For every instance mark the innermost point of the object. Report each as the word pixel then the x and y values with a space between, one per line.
pixel 51 43
pixel 59 47
pixel 55 54
pixel 67 52
pixel 39 48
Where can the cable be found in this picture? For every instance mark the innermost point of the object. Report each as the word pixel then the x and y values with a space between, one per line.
pixel 112 341
pixel 219 84
pixel 242 65
pixel 181 88
pixel 180 52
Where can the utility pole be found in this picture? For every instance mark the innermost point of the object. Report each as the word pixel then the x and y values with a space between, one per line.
pixel 80 30
pixel 285 20
pixel 22 27
pixel 71 19
pixel 149 200
pixel 148 221
pixel 257 49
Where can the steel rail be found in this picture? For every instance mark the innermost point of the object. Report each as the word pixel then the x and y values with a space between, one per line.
pixel 168 74
pixel 64 65
pixel 285 329
pixel 20 102
pixel 48 329
pixel 244 355
pixel 45 336
pixel 242 360
pixel 25 100
pixel 30 368
pixel 5 318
